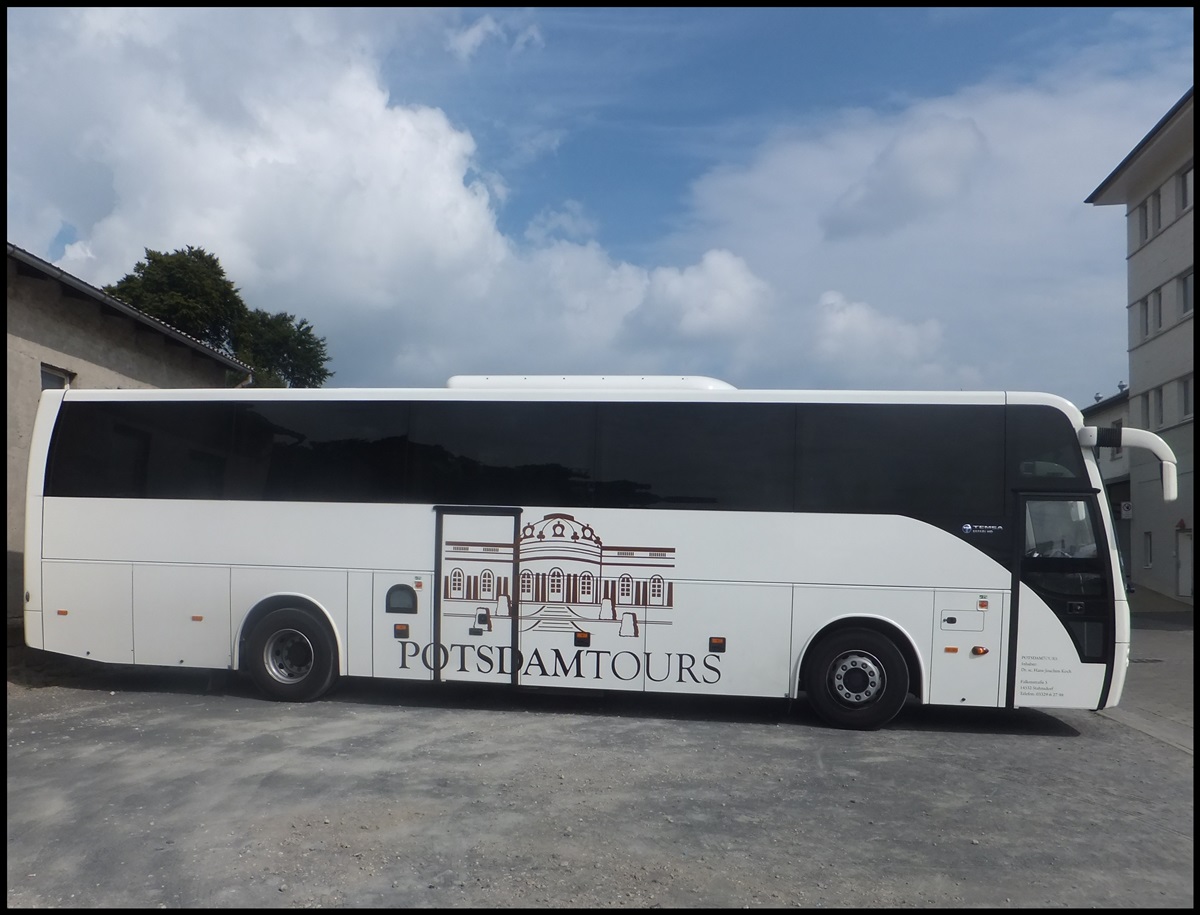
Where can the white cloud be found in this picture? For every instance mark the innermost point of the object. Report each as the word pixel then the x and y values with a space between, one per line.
pixel 368 218
pixel 878 349
pixel 568 221
pixel 952 228
pixel 528 37
pixel 717 298
pixel 962 213
pixel 463 43
pixel 927 166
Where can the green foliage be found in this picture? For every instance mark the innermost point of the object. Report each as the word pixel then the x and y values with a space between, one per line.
pixel 285 352
pixel 188 289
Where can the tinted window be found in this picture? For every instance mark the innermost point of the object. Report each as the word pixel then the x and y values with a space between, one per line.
pixel 502 453
pixel 679 455
pixel 932 462
pixel 1044 451
pixel 353 451
pixel 925 461
pixel 140 450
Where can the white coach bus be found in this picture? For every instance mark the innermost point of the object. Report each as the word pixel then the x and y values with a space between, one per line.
pixel 673 535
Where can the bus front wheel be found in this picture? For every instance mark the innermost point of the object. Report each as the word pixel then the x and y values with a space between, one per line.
pixel 292 655
pixel 856 679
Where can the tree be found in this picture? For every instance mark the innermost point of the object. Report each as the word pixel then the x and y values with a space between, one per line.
pixel 285 352
pixel 189 290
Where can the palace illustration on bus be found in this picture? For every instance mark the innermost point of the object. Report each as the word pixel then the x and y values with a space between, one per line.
pixel 671 534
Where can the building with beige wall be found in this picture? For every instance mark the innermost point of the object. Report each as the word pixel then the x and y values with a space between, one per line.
pixel 1156 185
pixel 63 332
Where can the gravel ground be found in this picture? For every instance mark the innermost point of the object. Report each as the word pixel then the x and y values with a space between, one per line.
pixel 136 787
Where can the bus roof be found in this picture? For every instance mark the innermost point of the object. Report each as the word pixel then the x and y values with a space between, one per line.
pixel 590 382
pixel 610 388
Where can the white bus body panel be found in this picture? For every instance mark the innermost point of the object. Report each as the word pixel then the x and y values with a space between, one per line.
pixel 1049 672
pixel 181 615
pixel 754 622
pixel 908 609
pixel 914 577
pixel 39 444
pixel 970 646
pixel 89 610
pixel 388 657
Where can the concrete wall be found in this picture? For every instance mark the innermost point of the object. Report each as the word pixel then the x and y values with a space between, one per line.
pixel 52 324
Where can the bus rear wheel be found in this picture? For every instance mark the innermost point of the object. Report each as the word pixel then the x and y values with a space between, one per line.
pixel 292 655
pixel 856 679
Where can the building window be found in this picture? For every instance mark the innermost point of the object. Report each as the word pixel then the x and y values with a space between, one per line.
pixel 1155 299
pixel 1144 317
pixel 55 379
pixel 1114 454
pixel 1156 408
pixel 1185 394
pixel 1155 215
pixel 1187 292
pixel 1143 226
pixel 1187 189
pixel 1147 549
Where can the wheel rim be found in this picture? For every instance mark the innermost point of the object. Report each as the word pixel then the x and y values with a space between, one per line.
pixel 856 678
pixel 288 656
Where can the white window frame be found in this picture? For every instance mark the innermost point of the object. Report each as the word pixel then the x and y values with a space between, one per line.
pixel 63 376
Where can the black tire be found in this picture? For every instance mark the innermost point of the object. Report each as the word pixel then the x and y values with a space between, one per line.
pixel 292 656
pixel 856 679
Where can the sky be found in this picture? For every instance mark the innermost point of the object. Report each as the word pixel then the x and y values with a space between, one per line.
pixel 880 199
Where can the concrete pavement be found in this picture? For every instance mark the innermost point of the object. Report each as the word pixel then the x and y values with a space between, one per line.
pixel 1158 698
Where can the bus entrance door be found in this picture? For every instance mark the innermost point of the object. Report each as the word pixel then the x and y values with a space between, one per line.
pixel 475 608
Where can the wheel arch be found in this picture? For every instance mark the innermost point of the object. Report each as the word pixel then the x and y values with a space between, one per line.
pixel 903 640
pixel 281 601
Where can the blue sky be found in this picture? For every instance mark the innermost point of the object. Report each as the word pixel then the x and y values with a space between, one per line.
pixel 862 198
